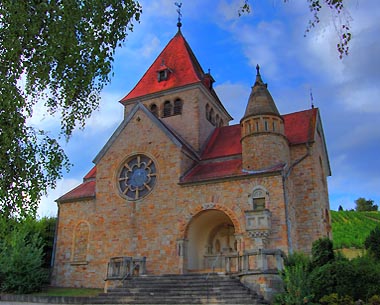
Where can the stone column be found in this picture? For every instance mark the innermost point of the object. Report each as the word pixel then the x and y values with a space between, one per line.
pixel 182 255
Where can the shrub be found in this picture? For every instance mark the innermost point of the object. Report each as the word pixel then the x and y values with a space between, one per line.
pixel 21 259
pixel 296 281
pixel 375 300
pixel 338 276
pixel 372 243
pixel 335 299
pixel 366 278
pixel 322 252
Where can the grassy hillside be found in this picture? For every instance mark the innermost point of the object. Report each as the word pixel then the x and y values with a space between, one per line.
pixel 350 229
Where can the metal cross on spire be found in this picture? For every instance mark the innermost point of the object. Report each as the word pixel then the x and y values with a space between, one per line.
pixel 179 5
pixel 311 98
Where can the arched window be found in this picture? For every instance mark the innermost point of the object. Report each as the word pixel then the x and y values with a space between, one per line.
pixel 167 109
pixel 212 118
pixel 259 198
pixel 177 107
pixel 154 109
pixel 217 120
pixel 208 112
pixel 81 239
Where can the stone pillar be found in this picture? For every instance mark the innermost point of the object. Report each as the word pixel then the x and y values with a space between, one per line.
pixel 182 255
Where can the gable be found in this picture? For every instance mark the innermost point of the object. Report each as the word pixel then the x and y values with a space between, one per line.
pixel 174 138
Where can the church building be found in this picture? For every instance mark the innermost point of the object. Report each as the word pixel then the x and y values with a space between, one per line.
pixel 177 190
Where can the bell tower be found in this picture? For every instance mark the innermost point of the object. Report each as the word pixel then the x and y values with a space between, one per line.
pixel 264 144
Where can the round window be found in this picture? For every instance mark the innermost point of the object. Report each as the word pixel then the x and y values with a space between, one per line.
pixel 137 177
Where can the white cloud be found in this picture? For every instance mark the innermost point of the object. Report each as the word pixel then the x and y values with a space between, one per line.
pixel 233 96
pixel 47 206
pixel 108 116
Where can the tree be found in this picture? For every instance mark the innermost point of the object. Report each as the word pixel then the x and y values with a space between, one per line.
pixel 322 252
pixel 63 51
pixel 22 258
pixel 315 6
pixel 372 243
pixel 363 205
pixel 340 209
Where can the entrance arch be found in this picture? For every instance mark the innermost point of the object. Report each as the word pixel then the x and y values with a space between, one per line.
pixel 210 234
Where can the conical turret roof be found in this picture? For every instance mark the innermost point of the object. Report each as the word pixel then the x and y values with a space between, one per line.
pixel 260 101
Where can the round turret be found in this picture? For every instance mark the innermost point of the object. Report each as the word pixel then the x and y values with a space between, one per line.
pixel 264 144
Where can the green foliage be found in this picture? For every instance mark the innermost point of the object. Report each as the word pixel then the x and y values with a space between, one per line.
pixel 322 252
pixel 335 277
pixel 363 205
pixel 366 278
pixel 375 300
pixel 372 243
pixel 350 228
pixel 335 299
pixel 63 53
pixel 21 260
pixel 25 253
pixel 296 281
pixel 328 278
pixel 357 278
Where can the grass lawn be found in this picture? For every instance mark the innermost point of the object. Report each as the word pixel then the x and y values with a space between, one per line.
pixel 69 292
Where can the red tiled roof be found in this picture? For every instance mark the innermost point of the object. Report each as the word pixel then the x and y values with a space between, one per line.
pixel 91 174
pixel 214 170
pixel 225 141
pixel 182 64
pixel 82 191
pixel 300 126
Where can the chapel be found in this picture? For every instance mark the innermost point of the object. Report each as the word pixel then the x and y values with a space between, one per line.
pixel 177 190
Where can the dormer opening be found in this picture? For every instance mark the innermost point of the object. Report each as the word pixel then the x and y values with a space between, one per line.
pixel 162 75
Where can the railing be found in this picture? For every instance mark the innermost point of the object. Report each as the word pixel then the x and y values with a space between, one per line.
pixel 213 266
pixel 257 261
pixel 123 267
pixel 208 274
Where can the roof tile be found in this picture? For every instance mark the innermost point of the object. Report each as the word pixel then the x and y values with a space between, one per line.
pixel 82 191
pixel 179 59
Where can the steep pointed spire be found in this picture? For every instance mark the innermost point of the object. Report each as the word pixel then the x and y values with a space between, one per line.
pixel 180 63
pixel 260 101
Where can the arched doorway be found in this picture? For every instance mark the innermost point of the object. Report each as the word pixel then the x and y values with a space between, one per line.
pixel 210 236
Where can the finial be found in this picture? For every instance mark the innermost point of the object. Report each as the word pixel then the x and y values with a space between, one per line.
pixel 179 5
pixel 312 99
pixel 258 70
pixel 259 81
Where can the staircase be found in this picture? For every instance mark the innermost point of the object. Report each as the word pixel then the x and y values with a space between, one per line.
pixel 184 289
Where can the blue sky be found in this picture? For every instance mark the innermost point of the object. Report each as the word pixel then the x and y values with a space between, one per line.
pixel 347 91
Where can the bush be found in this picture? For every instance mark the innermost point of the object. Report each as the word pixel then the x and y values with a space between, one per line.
pixel 375 300
pixel 335 299
pixel 21 259
pixel 296 281
pixel 372 243
pixel 366 278
pixel 338 276
pixel 322 252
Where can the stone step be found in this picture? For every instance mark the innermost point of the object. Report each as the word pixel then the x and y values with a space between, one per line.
pixel 183 289
pixel 193 286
